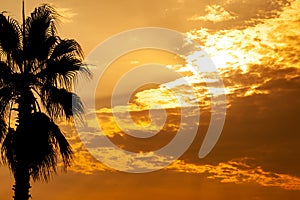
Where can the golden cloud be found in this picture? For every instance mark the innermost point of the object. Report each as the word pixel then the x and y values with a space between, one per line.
pixel 215 13
pixel 249 58
pixel 238 171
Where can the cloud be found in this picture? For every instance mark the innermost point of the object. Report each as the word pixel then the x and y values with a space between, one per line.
pixel 89 161
pixel 246 59
pixel 249 58
pixel 67 14
pixel 258 60
pixel 239 171
pixel 141 130
pixel 130 162
pixel 83 162
pixel 215 13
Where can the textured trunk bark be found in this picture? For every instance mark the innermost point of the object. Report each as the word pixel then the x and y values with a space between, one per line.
pixel 22 184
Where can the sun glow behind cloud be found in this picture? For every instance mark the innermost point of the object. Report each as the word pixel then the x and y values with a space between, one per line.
pixel 248 60
pixel 255 46
pixel 243 58
pixel 244 51
pixel 235 52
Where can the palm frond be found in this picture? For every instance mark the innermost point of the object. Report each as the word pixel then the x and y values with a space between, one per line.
pixel 3 128
pixel 10 36
pixel 62 72
pixel 6 95
pixel 61 103
pixel 7 150
pixel 38 144
pixel 65 47
pixel 5 73
pixel 39 27
pixel 50 44
pixel 62 144
pixel 46 143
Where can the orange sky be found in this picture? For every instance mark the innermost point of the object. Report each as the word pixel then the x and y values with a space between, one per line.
pixel 254 45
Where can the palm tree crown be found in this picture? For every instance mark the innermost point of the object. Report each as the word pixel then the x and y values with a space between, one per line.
pixel 37 73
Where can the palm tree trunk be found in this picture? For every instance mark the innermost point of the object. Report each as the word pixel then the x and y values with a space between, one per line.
pixel 22 183
pixel 21 172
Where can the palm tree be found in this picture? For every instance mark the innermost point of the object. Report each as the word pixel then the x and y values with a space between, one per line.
pixel 37 73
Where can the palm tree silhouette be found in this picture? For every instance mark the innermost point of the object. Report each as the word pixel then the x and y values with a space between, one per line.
pixel 37 73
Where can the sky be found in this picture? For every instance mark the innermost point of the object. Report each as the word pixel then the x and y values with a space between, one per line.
pixel 255 50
